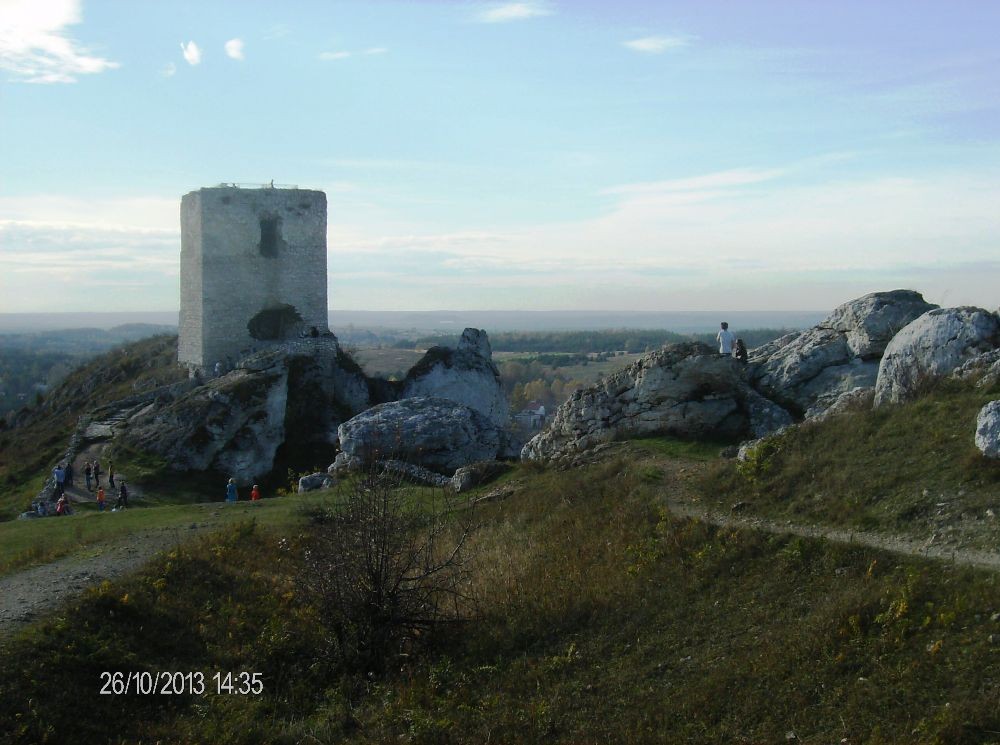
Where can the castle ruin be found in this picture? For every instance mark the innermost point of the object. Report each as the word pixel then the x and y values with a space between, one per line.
pixel 253 270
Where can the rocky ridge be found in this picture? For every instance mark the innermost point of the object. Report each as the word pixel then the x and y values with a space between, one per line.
pixel 866 350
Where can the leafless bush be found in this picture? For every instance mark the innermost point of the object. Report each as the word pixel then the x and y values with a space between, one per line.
pixel 386 567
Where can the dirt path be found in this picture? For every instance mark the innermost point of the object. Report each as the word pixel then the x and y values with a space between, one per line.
pixel 894 544
pixel 681 499
pixel 26 594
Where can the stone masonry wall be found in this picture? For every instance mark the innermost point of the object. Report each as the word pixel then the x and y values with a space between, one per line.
pixel 244 251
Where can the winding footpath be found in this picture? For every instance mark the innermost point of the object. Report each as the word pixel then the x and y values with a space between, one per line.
pixel 880 541
pixel 26 594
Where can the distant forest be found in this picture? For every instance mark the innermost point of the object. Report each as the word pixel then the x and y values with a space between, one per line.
pixel 31 363
pixel 633 341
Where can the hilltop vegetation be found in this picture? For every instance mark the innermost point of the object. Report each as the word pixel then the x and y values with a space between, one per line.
pixel 910 468
pixel 29 447
pixel 599 616
pixel 584 342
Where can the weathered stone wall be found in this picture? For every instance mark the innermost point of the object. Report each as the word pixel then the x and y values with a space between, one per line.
pixel 244 252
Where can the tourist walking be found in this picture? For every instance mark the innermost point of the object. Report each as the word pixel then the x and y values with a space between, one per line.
pixel 111 474
pixel 100 499
pixel 89 473
pixel 122 502
pixel 59 475
pixel 231 495
pixel 726 339
pixel 255 493
pixel 97 473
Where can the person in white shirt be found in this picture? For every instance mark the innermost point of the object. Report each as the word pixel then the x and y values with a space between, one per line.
pixel 726 338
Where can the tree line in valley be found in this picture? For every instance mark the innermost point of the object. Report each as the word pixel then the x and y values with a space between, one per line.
pixel 585 342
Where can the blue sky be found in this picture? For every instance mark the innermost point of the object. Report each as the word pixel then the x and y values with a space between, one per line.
pixel 512 155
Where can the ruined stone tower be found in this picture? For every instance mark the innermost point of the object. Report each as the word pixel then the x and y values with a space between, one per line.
pixel 253 270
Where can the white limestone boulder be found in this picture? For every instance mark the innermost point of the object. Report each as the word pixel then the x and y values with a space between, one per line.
pixel 686 390
pixel 465 374
pixel 801 371
pixel 933 346
pixel 432 432
pixel 315 482
pixel 988 430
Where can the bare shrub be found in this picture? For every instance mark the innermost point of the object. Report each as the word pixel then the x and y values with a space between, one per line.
pixel 385 566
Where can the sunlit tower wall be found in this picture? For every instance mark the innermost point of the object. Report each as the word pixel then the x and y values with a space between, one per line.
pixel 253 270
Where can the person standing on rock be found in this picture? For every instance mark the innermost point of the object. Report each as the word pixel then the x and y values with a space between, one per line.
pixel 68 479
pixel 111 474
pixel 88 472
pixel 122 503
pixel 231 495
pixel 726 339
pixel 97 473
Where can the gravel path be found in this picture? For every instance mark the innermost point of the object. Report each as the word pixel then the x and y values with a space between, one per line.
pixel 891 543
pixel 28 593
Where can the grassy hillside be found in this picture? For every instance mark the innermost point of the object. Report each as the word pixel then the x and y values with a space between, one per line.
pixel 598 617
pixel 29 451
pixel 911 468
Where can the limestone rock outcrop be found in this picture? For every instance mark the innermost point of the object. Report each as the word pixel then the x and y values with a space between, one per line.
pixel 839 354
pixel 983 369
pixel 932 346
pixel 436 433
pixel 684 389
pixel 235 424
pixel 465 374
pixel 988 430
pixel 315 481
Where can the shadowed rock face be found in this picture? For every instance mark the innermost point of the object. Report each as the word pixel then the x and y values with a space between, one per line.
pixel 298 394
pixel 236 423
pixel 934 345
pixel 802 371
pixel 437 433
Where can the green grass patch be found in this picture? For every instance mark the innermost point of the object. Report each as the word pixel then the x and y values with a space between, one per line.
pixel 911 467
pixel 673 447
pixel 599 618
pixel 26 543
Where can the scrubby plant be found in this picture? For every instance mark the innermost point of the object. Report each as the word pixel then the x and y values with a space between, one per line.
pixel 385 569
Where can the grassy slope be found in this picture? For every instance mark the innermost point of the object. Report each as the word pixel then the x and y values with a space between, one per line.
pixel 912 468
pixel 25 543
pixel 28 453
pixel 600 619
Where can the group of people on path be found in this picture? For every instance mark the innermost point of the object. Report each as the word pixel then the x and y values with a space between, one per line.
pixel 729 344
pixel 62 474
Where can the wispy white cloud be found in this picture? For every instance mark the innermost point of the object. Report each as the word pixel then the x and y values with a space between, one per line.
pixel 191 52
pixel 774 237
pixel 35 47
pixel 709 181
pixel 234 49
pixel 658 44
pixel 344 54
pixel 168 70
pixel 278 31
pixel 506 12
